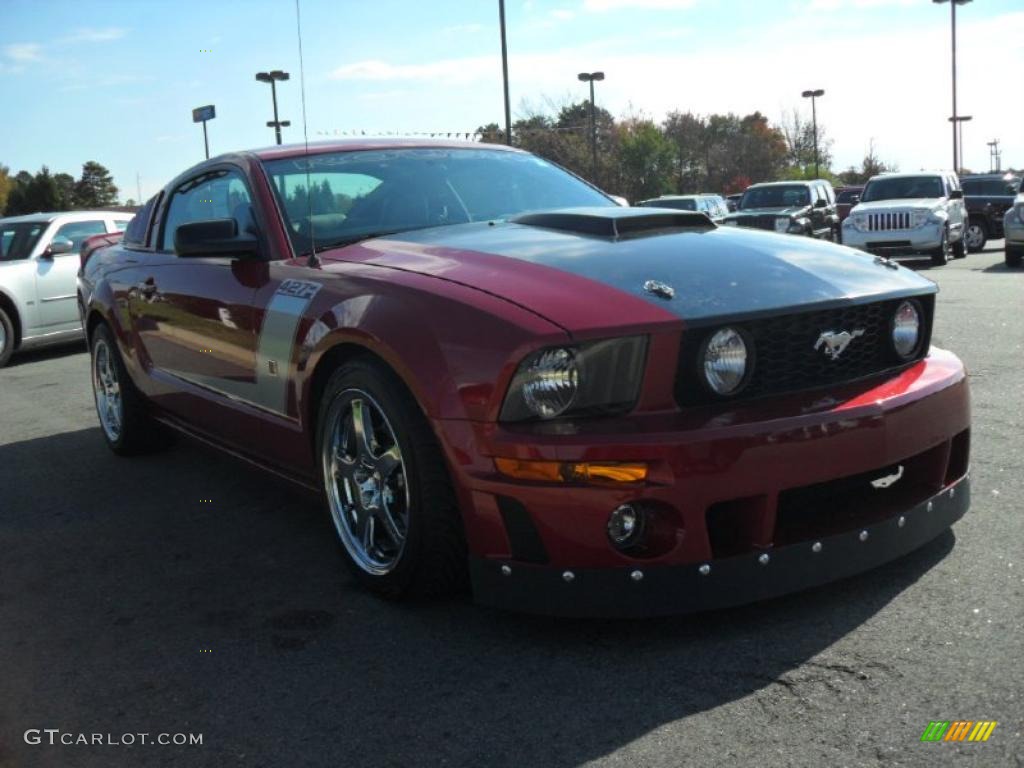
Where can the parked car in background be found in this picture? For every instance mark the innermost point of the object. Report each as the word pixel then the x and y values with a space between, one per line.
pixel 39 260
pixel 712 205
pixel 909 213
pixel 1013 227
pixel 733 201
pixel 987 197
pixel 794 207
pixel 846 198
pixel 494 374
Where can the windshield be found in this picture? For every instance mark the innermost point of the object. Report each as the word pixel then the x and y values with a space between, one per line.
pixel 679 205
pixel 902 188
pixel 359 194
pixel 784 196
pixel 992 187
pixel 18 240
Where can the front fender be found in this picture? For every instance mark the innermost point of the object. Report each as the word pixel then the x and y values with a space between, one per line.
pixel 455 348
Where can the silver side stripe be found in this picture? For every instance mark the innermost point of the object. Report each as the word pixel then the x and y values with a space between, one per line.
pixel 277 340
pixel 273 352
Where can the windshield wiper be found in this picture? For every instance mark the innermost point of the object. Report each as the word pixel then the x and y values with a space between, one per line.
pixel 352 240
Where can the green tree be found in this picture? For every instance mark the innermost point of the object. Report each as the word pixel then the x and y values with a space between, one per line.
pixel 870 166
pixel 6 184
pixel 33 194
pixel 646 160
pixel 491 133
pixel 65 191
pixel 95 189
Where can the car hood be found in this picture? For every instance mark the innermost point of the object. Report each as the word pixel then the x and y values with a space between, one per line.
pixel 713 272
pixel 778 211
pixel 927 203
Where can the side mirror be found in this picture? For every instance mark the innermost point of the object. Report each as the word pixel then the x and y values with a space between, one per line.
pixel 956 194
pixel 57 247
pixel 821 203
pixel 854 199
pixel 215 237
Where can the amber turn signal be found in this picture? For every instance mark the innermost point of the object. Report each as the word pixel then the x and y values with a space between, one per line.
pixel 572 472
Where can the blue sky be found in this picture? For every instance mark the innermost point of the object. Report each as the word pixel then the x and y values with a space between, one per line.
pixel 116 81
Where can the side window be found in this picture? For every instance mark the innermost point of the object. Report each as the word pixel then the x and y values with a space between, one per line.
pixel 78 231
pixel 830 194
pixel 216 195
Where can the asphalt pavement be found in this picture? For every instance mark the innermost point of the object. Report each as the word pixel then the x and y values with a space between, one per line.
pixel 185 593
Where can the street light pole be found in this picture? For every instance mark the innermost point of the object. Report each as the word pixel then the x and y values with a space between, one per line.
pixel 590 77
pixel 272 77
pixel 813 96
pixel 504 73
pixel 952 16
pixel 958 127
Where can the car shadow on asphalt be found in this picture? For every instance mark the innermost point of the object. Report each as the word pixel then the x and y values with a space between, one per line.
pixel 184 591
pixel 43 354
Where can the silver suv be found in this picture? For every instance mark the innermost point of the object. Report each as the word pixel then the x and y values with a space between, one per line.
pixel 1013 226
pixel 908 213
pixel 38 275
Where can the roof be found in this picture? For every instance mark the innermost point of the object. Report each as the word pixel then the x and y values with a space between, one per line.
pixel 784 183
pixel 51 215
pixel 908 174
pixel 352 145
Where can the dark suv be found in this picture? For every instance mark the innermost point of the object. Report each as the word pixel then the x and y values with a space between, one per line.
pixel 988 197
pixel 796 207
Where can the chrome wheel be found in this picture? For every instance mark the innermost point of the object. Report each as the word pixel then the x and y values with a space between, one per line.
pixel 3 338
pixel 365 480
pixel 107 389
pixel 974 238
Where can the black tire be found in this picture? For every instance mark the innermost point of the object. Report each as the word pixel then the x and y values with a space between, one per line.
pixel 431 561
pixel 7 339
pixel 1013 259
pixel 975 236
pixel 959 248
pixel 138 433
pixel 941 254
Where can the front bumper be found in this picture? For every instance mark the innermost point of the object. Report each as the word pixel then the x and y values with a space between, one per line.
pixel 895 242
pixel 666 590
pixel 726 484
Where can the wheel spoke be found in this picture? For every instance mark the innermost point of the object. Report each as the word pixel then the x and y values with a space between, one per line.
pixel 389 461
pixel 362 429
pixel 390 525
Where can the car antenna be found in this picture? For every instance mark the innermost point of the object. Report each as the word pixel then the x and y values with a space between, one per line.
pixel 312 261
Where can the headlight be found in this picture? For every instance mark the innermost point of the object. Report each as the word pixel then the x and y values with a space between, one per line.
pixel 906 329
pixel 796 227
pixel 858 221
pixel 724 361
pixel 782 224
pixel 596 377
pixel 919 218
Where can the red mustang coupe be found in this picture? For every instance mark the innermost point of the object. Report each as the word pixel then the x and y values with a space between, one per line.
pixel 495 374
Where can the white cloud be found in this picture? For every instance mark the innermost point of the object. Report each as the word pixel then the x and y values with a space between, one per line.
pixel 562 14
pixel 24 52
pixel 90 35
pixel 463 29
pixel 838 5
pixel 653 5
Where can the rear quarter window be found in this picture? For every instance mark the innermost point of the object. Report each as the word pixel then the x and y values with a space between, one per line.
pixel 135 234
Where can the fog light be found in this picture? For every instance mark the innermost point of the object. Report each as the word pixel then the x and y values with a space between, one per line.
pixel 625 526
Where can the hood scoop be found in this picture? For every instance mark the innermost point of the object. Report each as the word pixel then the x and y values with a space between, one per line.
pixel 616 223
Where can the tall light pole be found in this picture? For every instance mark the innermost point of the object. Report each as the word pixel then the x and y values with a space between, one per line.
pixel 958 127
pixel 994 164
pixel 813 96
pixel 504 73
pixel 952 15
pixel 590 77
pixel 272 77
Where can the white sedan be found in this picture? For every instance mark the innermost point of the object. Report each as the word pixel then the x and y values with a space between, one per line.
pixel 38 272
